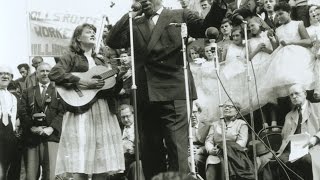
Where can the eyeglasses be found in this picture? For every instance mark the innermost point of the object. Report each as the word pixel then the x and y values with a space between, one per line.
pixel 228 106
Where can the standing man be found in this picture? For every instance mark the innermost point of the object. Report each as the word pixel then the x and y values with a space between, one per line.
pixel 31 80
pixel 162 110
pixel 41 117
pixel 302 119
pixel 8 111
pixel 205 8
pixel 24 71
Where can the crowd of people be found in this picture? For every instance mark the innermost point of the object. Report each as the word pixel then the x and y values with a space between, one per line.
pixel 43 136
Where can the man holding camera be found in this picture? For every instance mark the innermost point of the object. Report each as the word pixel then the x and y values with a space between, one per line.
pixel 41 119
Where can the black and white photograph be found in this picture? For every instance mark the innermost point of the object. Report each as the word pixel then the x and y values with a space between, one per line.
pixel 160 90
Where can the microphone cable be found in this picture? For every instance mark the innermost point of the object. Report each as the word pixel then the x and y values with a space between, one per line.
pixel 280 162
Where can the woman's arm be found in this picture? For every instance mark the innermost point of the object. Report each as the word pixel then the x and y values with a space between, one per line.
pixel 209 143
pixel 243 135
pixel 305 38
pixel 273 38
pixel 61 72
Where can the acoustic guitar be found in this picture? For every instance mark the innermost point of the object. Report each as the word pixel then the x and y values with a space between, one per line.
pixel 77 95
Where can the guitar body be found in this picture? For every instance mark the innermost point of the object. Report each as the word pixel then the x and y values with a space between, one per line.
pixel 80 96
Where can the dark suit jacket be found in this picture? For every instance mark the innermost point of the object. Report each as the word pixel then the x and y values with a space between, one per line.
pixel 158 56
pixel 31 103
pixel 273 24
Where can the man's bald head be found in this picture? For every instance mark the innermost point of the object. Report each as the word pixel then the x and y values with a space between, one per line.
pixel 6 76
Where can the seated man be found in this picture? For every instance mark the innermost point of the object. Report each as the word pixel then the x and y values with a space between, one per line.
pixel 302 119
pixel 128 138
pixel 200 131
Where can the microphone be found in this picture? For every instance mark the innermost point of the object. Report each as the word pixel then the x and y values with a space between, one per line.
pixel 212 33
pixel 136 6
pixel 237 19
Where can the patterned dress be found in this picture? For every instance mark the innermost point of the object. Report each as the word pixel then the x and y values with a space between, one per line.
pixel 90 140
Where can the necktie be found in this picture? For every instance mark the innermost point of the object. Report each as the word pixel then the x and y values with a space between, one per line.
pixel 298 130
pixel 151 23
pixel 43 94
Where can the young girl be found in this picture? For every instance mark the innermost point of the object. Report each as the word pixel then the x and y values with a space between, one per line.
pixel 234 55
pixel 260 49
pixel 291 62
pixel 314 32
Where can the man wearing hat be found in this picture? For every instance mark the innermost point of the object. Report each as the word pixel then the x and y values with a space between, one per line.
pixel 8 111
pixel 304 118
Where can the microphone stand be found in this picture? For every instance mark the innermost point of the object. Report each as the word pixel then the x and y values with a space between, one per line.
pixel 222 120
pixel 134 94
pixel 245 24
pixel 184 36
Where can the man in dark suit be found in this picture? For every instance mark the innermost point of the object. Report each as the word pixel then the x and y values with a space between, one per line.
pixel 41 119
pixel 159 74
pixel 270 16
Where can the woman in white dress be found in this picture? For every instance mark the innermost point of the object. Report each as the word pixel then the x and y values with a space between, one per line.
pixel 291 62
pixel 260 49
pixel 314 33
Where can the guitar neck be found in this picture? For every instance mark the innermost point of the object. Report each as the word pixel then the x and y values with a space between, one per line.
pixel 108 74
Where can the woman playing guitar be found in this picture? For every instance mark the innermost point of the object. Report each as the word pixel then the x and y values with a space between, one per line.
pixel 91 138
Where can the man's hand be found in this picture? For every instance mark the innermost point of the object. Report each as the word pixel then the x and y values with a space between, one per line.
pixel 122 91
pixel 48 131
pixel 147 8
pixel 37 130
pixel 214 151
pixel 261 46
pixel 313 140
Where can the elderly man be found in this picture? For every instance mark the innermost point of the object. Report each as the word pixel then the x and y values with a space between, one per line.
pixel 31 80
pixel 41 118
pixel 302 119
pixel 8 111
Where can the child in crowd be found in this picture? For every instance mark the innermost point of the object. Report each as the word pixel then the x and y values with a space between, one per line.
pixel 234 55
pixel 225 38
pixel 314 33
pixel 270 16
pixel 260 49
pixel 291 62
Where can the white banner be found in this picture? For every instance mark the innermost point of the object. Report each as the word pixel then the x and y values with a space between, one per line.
pixel 50 32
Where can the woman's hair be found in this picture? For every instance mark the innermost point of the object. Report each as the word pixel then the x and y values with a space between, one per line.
pixel 75 45
pixel 258 21
pixel 237 28
pixel 197 49
pixel 226 20
pixel 236 104
pixel 282 6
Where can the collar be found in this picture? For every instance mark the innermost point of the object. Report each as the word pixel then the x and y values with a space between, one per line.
pixel 47 85
pixel 159 11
